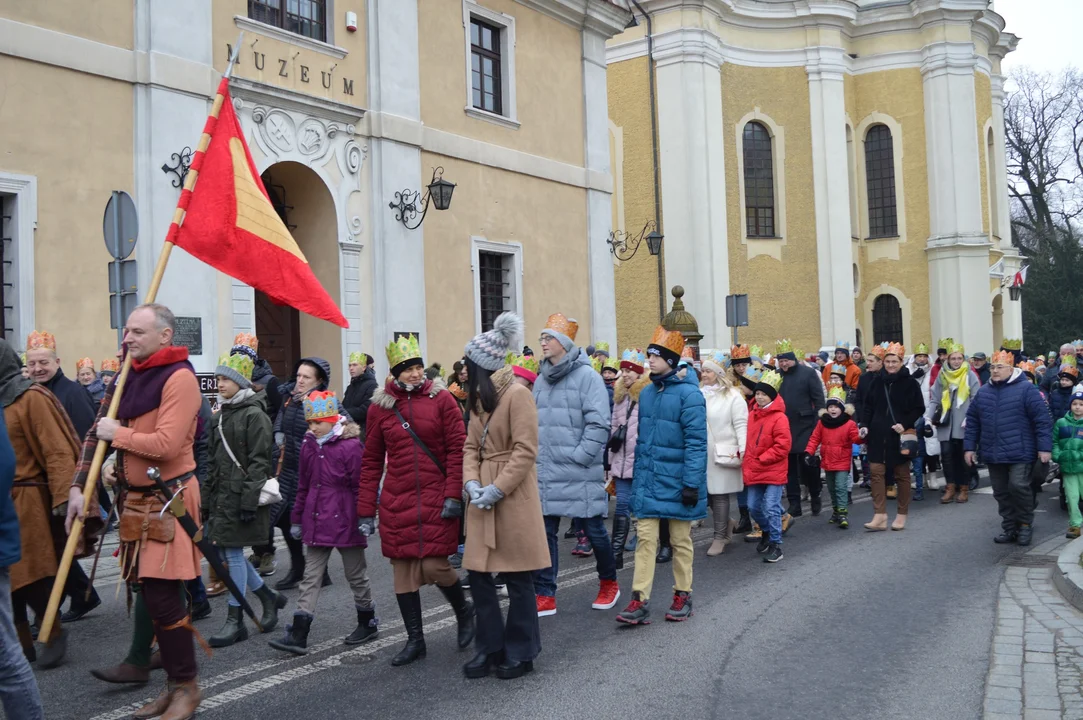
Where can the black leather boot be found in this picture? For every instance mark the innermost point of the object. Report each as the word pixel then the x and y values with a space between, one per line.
pixel 464 612
pixel 621 523
pixel 665 554
pixel 233 631
pixel 272 602
pixel 744 525
pixel 367 627
pixel 410 607
pixel 1024 535
pixel 296 640
pixel 482 664
pixel 294 577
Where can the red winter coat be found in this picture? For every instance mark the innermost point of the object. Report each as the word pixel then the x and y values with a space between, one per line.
pixel 768 446
pixel 835 443
pixel 414 489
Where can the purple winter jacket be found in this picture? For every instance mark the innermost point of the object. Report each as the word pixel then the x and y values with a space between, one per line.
pixel 327 480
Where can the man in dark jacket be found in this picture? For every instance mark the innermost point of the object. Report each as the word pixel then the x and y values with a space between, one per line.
pixel 363 384
pixel 1008 423
pixel 18 689
pixel 874 362
pixel 980 367
pixel 803 394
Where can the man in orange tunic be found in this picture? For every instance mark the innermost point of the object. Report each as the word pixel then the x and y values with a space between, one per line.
pixel 156 427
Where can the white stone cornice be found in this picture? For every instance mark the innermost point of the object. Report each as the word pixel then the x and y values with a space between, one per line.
pixel 688 45
pixel 996 88
pixel 826 63
pixel 952 58
pixel 601 16
pixel 273 96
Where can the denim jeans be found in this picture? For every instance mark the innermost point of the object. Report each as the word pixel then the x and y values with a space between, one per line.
pixel 742 499
pixel 18 689
pixel 242 573
pixel 624 496
pixel 765 506
pixel 545 580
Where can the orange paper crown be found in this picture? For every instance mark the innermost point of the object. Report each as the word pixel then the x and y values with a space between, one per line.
pixel 1003 357
pixel 563 325
pixel 740 352
pixel 897 349
pixel 687 353
pixel 671 340
pixel 1026 366
pixel 111 365
pixel 878 350
pixel 84 362
pixel 41 340
pixel 247 340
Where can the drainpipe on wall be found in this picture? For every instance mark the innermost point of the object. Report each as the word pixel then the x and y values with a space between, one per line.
pixel 654 153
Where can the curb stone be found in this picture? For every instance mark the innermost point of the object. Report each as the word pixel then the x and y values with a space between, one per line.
pixel 1068 577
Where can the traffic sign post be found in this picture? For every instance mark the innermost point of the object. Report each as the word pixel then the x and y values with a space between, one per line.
pixel 120 226
pixel 736 313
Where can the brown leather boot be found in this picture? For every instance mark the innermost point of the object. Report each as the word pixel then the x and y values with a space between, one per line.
pixel 157 706
pixel 949 495
pixel 964 494
pixel 122 674
pixel 185 702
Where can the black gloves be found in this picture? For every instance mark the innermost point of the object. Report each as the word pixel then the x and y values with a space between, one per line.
pixel 248 516
pixel 928 431
pixel 689 496
pixel 452 509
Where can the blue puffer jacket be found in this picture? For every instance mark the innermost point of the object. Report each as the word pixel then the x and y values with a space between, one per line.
pixel 671 449
pixel 1009 422
pixel 10 547
pixel 1060 401
pixel 573 428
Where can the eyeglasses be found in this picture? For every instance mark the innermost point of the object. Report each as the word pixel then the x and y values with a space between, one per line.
pixel 544 339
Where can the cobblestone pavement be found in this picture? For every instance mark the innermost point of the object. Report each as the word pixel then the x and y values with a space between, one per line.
pixel 1036 666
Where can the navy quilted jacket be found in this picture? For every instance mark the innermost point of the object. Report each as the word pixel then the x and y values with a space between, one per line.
pixel 1009 422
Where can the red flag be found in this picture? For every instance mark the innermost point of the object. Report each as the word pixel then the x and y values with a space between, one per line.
pixel 230 222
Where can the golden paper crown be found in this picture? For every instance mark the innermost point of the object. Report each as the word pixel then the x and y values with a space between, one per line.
pixel 527 363
pixel 1003 357
pixel 1069 360
pixel 671 340
pixel 357 357
pixel 837 393
pixel 921 349
pixel 83 363
pixel 41 340
pixel 405 348
pixel 954 347
pixel 895 349
pixel 1026 366
pixel 772 378
pixel 784 346
pixel 248 340
pixel 944 343
pixel 111 365
pixel 239 363
pixel 613 363
pixel 22 358
pixel 602 347
pixel 879 350
pixel 563 325
pixel 596 363
pixel 1012 344
pixel 834 381
pixel 755 352
pixel 740 352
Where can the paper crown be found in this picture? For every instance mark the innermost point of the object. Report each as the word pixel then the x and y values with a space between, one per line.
pixel 837 393
pixel 522 361
pixel 611 363
pixel 842 345
pixel 1026 366
pixel 596 363
pixel 797 352
pixel 321 405
pixel 601 347
pixel 783 346
pixel 1070 370
pixel 239 363
pixel 953 347
pixel 84 363
pixel 755 352
pixel 564 325
pixel 247 340
pixel 837 369
pixel 754 373
pixel 740 352
pixel 921 349
pixel 1069 360
pixel 897 349
pixel 671 340
pixel 357 357
pixel 633 359
pixel 403 349
pixel 1003 357
pixel 879 350
pixel 772 378
pixel 834 381
pixel 1077 344
pixel 111 365
pixel 1012 344
pixel 944 343
pixel 40 340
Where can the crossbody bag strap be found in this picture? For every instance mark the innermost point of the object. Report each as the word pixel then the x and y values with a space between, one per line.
pixel 419 442
pixel 890 410
pixel 229 451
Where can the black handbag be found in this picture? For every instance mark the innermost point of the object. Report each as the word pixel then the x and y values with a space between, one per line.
pixel 908 439
pixel 616 441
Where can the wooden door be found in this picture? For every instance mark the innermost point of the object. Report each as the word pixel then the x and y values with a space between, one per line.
pixel 279 333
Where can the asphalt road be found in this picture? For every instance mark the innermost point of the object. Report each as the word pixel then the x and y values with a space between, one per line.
pixel 849 624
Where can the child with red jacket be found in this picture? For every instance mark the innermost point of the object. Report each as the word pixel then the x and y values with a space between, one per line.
pixel 766 463
pixel 835 435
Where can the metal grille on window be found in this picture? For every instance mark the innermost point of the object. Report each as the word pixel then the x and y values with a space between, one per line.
pixel 493 276
pixel 880 180
pixel 759 181
pixel 887 320
pixel 485 67
pixel 7 270
pixel 303 17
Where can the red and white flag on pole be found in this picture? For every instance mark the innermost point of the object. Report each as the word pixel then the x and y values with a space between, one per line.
pixel 1020 277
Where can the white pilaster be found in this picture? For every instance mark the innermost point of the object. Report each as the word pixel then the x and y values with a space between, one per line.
pixel 1002 227
pixel 1013 309
pixel 958 248
pixel 398 296
pixel 694 175
pixel 603 310
pixel 834 248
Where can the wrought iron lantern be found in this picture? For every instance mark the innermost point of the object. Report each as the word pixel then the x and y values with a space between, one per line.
pixel 406 202
pixel 624 245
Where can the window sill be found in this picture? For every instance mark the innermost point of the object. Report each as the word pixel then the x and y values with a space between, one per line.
pixel 491 117
pixel 757 238
pixel 255 26
pixel 883 237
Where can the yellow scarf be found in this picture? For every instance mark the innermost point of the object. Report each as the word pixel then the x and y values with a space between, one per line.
pixel 955 379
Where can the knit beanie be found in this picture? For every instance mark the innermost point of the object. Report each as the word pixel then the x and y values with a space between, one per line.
pixel 237 367
pixel 490 349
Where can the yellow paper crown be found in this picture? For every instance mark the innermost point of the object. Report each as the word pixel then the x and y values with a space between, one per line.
pixel 772 378
pixel 405 348
pixel 239 363
pixel 84 362
pixel 596 363
pixel 895 349
pixel 1003 357
pixel 601 346
pixel 1069 360
pixel 837 393
pixel 564 325
pixel 783 346
pixel 755 352
pixel 613 363
pixel 41 340
pixel 954 347
pixel 921 349
pixel 357 357
pixel 527 363
pixel 945 344
pixel 1012 344
pixel 834 381
pixel 671 340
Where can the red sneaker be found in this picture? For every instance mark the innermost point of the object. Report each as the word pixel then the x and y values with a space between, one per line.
pixel 608 594
pixel 546 605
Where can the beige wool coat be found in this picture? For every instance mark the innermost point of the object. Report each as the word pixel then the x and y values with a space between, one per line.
pixel 511 536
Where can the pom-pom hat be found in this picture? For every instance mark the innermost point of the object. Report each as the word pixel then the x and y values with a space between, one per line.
pixel 489 350
pixel 321 406
pixel 236 367
pixel 667 344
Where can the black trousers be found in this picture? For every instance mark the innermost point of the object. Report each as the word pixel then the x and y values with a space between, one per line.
pixel 798 474
pixel 169 612
pixel 955 470
pixel 76 587
pixel 519 637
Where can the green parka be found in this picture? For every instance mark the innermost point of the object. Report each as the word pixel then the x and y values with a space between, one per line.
pixel 229 489
pixel 1068 445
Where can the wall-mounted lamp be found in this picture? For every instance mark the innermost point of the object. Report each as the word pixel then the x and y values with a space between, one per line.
pixel 438 192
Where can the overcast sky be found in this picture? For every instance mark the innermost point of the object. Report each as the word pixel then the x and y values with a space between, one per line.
pixel 1050 32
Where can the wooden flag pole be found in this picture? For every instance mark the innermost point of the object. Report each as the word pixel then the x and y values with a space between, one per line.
pixel 94 474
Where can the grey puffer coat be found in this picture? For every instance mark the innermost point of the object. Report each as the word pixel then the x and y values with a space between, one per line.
pixel 573 428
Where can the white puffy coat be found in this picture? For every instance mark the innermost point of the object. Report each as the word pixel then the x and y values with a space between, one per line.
pixel 727 423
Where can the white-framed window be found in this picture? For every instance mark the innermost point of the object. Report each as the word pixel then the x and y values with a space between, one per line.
pixel 490 64
pixel 18 222
pixel 761 182
pixel 498 276
pixel 878 140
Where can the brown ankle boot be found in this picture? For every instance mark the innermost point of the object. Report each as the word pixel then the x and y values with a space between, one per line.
pixel 964 494
pixel 123 674
pixel 157 706
pixel 949 495
pixel 185 702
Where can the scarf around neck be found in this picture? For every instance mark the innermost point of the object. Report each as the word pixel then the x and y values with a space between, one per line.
pixel 241 395
pixel 147 379
pixel 956 379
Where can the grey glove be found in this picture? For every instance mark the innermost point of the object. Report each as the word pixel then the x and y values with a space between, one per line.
pixel 452 509
pixel 365 525
pixel 295 532
pixel 471 491
pixel 490 495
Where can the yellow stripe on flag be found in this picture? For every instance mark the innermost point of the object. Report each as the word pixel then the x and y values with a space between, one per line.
pixel 254 213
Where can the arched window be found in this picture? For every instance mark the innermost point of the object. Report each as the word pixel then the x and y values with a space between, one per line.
pixel 880 182
pixel 759 181
pixel 887 320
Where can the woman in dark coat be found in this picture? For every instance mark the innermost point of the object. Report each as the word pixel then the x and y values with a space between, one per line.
pixel 420 503
pixel 891 406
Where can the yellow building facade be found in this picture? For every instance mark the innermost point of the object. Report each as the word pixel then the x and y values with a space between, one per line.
pixel 348 106
pixel 840 163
